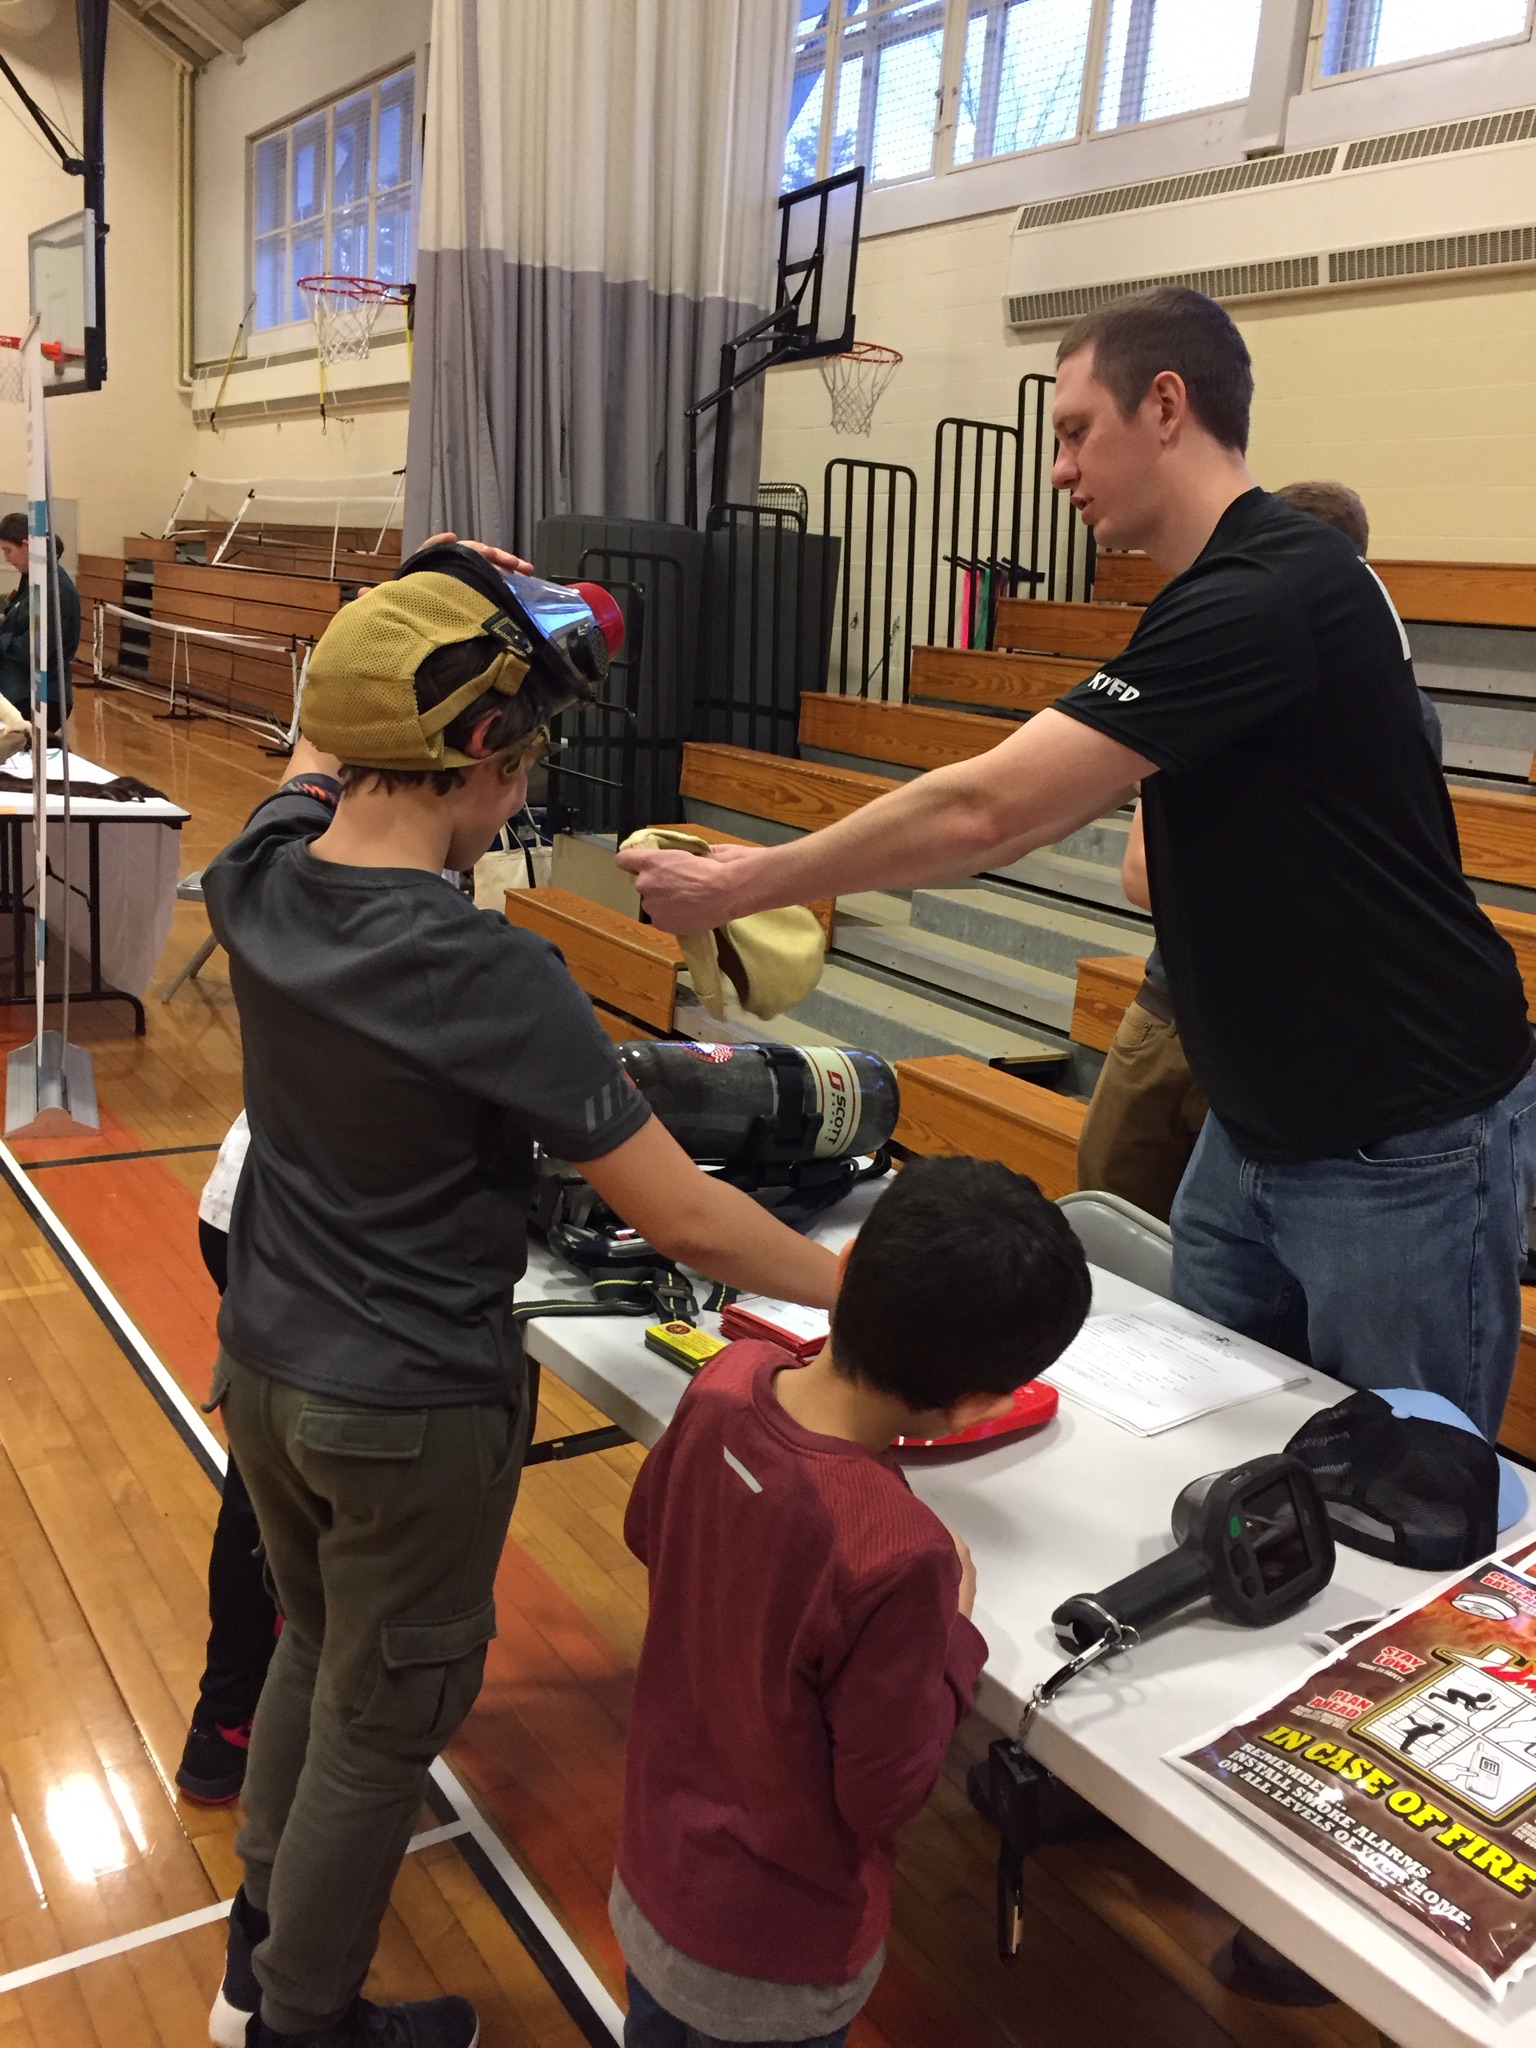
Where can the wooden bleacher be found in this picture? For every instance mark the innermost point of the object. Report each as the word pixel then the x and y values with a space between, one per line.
pixel 100 576
pixel 1446 593
pixel 801 794
pixel 1093 632
pixel 308 551
pixel 951 1104
pixel 629 969
pixel 1497 830
pixel 905 735
pixel 1106 984
pixel 1000 682
pixel 288 610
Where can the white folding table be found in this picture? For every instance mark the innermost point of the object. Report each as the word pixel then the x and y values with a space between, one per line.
pixel 144 888
pixel 1072 1508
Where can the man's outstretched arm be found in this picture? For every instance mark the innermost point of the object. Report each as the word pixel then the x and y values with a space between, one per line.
pixel 1042 782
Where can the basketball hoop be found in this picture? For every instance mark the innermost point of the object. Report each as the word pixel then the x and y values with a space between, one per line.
pixel 855 381
pixel 13 380
pixel 344 310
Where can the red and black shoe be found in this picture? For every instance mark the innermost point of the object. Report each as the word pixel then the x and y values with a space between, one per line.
pixel 212 1767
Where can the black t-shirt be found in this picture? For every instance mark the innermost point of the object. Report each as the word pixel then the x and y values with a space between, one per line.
pixel 403 1050
pixel 1335 980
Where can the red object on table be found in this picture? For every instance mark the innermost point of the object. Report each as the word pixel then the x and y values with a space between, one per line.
pixel 1033 1404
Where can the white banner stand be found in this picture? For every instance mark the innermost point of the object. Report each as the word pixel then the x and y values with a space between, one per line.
pixel 50 1085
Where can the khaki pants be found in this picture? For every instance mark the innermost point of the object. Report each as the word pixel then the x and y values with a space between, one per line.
pixel 382 1530
pixel 1144 1118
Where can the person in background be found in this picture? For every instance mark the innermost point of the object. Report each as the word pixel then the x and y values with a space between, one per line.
pixel 809 1650
pixel 16 624
pixel 242 1621
pixel 1148 1108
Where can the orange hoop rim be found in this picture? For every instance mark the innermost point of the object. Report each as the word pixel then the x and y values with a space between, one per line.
pixel 356 288
pixel 55 351
pixel 870 352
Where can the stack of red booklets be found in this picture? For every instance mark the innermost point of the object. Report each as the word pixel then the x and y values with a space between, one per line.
pixel 801 1331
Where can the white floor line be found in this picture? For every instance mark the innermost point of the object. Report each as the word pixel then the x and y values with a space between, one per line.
pixel 470 1820
pixel 166 1930
pixel 530 1899
pixel 26 1190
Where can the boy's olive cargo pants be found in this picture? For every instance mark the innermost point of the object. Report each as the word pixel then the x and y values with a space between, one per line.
pixel 382 1529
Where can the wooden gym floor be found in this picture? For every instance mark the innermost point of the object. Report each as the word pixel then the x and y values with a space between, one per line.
pixel 105 1516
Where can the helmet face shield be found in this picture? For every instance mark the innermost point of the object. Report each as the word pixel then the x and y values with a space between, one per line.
pixel 569 630
pixel 563 616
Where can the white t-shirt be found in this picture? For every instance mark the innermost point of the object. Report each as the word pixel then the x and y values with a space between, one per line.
pixel 219 1189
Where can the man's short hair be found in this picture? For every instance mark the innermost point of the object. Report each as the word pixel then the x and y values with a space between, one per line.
pixel 1335 504
pixel 519 719
pixel 1171 328
pixel 964 1280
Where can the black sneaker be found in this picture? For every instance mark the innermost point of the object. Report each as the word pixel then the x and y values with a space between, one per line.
pixel 239 1995
pixel 212 1768
pixel 424 2023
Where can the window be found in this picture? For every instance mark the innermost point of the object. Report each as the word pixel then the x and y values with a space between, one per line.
pixel 1022 80
pixel 1362 33
pixel 888 56
pixel 1014 72
pixel 333 192
pixel 1171 56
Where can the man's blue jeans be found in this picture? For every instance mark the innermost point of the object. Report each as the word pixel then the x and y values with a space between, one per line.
pixel 1396 1266
pixel 649 2025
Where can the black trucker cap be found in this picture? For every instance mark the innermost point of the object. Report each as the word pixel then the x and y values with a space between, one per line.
pixel 1407 1488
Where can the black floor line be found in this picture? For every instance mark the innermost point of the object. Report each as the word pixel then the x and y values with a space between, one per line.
pixel 115 1158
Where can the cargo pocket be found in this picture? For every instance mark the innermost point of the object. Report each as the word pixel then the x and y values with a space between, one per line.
pixel 390 1434
pixel 430 1673
pixel 220 1387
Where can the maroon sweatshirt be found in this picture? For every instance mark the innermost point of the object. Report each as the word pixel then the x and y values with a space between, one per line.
pixel 804 1668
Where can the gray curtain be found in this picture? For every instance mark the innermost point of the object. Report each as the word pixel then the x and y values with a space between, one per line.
pixel 598 216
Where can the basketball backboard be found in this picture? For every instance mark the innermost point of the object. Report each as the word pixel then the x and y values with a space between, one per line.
pixel 818 255
pixel 61 275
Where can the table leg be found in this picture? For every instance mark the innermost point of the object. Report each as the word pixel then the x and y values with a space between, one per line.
pixel 18 910
pixel 93 832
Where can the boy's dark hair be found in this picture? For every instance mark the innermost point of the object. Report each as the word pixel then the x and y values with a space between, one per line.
pixel 13 527
pixel 1171 328
pixel 1336 505
pixel 520 717
pixel 964 1280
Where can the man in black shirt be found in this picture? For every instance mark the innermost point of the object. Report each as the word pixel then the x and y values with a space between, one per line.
pixel 1358 1195
pixel 403 1051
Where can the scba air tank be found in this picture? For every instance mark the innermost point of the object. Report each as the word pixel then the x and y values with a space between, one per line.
pixel 767 1103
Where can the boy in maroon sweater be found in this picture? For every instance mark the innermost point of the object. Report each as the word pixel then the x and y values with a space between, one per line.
pixel 810 1651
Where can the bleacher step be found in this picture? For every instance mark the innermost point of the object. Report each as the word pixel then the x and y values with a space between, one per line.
pixel 1025 927
pixel 863 1006
pixel 952 967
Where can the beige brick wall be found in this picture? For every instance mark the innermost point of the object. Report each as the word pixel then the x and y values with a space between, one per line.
pixel 1422 398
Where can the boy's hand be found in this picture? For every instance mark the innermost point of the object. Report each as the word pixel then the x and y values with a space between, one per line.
pixel 514 565
pixel 967 1573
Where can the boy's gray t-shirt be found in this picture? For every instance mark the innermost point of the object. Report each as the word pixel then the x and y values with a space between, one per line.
pixel 403 1051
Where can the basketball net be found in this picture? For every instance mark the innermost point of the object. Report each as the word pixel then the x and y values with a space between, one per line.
pixel 855 382
pixel 13 376
pixel 344 310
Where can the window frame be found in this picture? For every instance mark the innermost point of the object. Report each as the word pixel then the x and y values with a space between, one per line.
pixel 1317 80
pixel 942 164
pixel 294 335
pixel 1092 129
